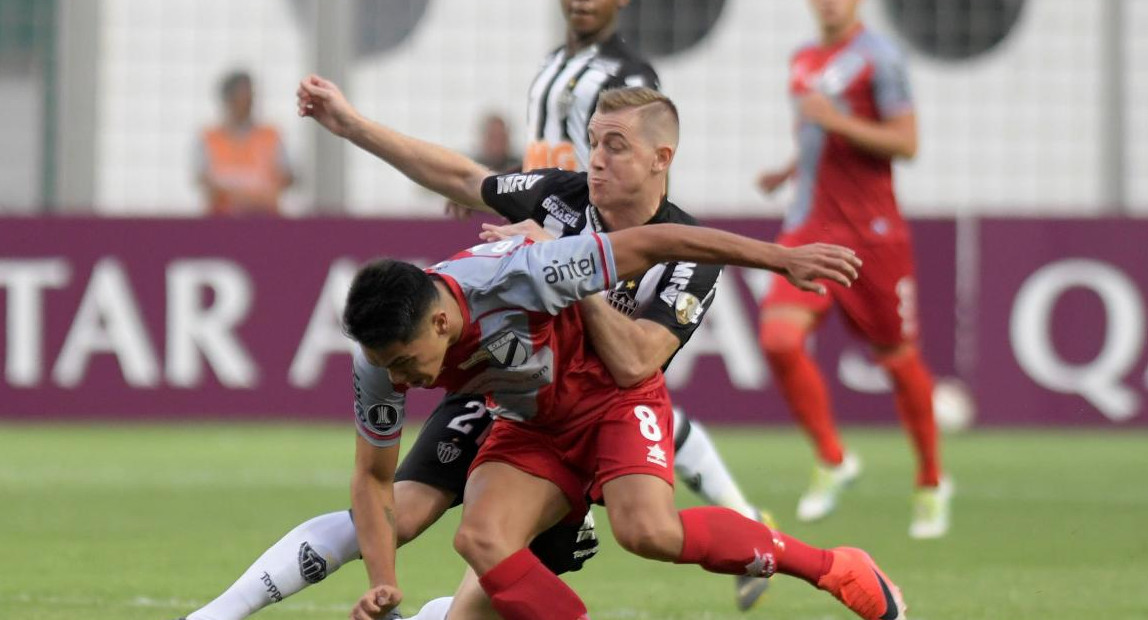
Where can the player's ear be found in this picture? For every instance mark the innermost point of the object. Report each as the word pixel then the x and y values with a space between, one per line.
pixel 663 157
pixel 439 322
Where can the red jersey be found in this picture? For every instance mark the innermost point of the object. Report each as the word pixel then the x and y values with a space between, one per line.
pixel 522 344
pixel 845 193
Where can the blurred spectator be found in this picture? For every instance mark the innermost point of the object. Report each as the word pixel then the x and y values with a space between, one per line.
pixel 494 150
pixel 242 166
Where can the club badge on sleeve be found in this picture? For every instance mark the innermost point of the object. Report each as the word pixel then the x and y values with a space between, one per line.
pixel 687 308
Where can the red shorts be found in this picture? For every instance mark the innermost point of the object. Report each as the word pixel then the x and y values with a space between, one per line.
pixel 633 434
pixel 881 305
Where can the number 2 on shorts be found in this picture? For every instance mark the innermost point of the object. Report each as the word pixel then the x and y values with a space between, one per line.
pixel 461 423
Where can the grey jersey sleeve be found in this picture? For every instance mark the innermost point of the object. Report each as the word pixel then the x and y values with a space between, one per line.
pixel 379 407
pixel 537 277
pixel 891 83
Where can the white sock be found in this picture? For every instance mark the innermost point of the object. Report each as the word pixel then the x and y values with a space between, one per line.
pixel 700 466
pixel 306 555
pixel 434 610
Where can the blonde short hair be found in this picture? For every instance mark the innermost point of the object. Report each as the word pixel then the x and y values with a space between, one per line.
pixel 658 113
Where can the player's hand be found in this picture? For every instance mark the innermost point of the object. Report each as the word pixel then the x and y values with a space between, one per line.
pixel 376 602
pixel 804 265
pixel 456 211
pixel 323 101
pixel 768 182
pixel 527 228
pixel 817 108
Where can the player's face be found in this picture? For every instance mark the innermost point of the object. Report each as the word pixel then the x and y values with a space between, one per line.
pixel 621 157
pixel 834 14
pixel 589 17
pixel 416 363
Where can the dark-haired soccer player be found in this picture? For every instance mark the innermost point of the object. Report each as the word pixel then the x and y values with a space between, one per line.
pixel 498 323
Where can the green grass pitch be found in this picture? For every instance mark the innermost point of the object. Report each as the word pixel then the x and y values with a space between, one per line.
pixel 145 522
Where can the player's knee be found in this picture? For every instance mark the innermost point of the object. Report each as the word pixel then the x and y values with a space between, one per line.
pixel 892 356
pixel 781 339
pixel 649 536
pixel 481 546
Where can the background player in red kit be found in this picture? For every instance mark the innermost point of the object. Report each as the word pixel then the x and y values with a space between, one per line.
pixel 855 115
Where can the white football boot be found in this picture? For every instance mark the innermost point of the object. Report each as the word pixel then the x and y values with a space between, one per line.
pixel 827 484
pixel 931 510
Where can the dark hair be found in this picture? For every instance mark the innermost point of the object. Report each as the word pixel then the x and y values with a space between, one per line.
pixel 387 303
pixel 232 81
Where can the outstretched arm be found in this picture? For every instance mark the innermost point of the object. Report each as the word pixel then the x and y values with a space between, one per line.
pixel 373 504
pixel 434 167
pixel 639 248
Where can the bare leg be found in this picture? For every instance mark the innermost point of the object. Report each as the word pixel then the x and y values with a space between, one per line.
pixel 470 601
pixel 504 509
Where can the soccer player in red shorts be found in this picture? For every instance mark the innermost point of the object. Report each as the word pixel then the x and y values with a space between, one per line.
pixel 499 319
pixel 855 116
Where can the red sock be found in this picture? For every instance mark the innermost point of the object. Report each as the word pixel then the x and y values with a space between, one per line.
pixel 801 560
pixel 723 541
pixel 521 588
pixel 913 385
pixel 802 386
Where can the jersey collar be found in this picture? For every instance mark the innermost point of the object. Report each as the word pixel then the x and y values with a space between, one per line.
pixel 849 37
pixel 661 216
pixel 613 42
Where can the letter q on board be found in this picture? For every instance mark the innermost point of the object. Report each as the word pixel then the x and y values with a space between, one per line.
pixel 1100 381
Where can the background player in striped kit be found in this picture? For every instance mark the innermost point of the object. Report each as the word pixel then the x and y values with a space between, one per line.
pixel 856 115
pixel 563 94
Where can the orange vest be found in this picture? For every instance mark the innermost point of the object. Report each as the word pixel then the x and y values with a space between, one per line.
pixel 247 167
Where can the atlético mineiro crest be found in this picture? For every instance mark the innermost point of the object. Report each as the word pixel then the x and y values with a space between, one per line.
pixel 448 452
pixel 312 566
pixel 503 350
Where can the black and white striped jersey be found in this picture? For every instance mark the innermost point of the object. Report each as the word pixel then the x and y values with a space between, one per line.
pixel 675 295
pixel 563 96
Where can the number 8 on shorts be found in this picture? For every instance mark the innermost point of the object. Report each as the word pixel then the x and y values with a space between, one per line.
pixel 648 423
